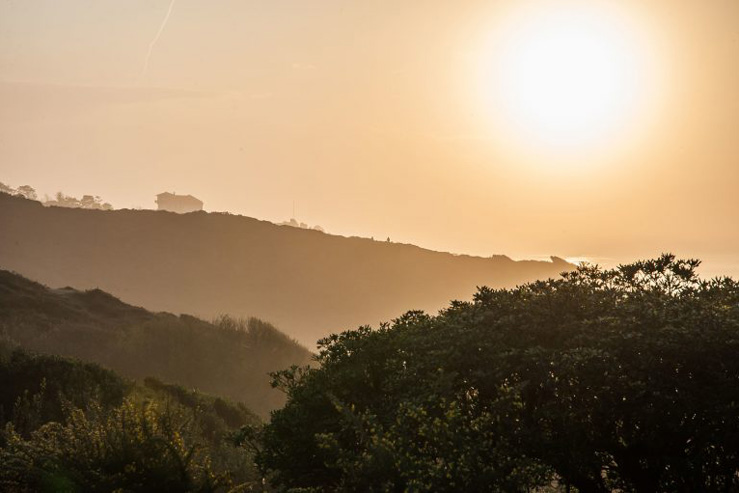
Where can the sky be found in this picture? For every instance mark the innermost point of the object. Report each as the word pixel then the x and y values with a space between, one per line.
pixel 392 118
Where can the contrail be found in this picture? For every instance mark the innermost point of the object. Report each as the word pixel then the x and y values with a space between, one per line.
pixel 156 38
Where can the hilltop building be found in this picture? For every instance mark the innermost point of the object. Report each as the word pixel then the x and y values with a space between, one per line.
pixel 180 204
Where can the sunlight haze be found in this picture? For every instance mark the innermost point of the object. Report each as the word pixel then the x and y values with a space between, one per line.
pixel 345 246
pixel 604 131
pixel 569 77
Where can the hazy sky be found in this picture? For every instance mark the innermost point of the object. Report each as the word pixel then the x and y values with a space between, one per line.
pixel 381 118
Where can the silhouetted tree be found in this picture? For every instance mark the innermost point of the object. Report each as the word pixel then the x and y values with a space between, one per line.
pixel 6 189
pixel 86 202
pixel 27 191
pixel 622 379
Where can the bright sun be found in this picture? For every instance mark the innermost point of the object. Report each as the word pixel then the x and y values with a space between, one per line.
pixel 566 77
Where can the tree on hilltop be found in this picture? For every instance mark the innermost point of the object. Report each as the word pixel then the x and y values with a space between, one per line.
pixel 6 189
pixel 27 191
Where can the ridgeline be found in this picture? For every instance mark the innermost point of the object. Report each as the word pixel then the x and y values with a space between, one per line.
pixel 308 283
pixel 229 358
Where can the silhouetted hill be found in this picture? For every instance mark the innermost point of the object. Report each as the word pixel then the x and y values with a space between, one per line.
pixel 229 358
pixel 308 283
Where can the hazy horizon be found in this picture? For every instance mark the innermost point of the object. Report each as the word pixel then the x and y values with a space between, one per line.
pixel 382 120
pixel 365 278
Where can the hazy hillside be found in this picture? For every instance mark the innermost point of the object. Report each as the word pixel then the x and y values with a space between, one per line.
pixel 228 358
pixel 309 283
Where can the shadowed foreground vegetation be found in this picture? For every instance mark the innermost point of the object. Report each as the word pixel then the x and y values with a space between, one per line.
pixel 603 380
pixel 623 380
pixel 75 427
pixel 231 358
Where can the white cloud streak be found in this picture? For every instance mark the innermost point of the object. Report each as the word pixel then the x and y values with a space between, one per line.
pixel 156 38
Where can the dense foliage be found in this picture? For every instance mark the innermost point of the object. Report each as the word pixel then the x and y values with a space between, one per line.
pixel 76 427
pixel 227 357
pixel 602 380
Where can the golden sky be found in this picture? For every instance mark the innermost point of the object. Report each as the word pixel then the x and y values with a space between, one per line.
pixel 393 118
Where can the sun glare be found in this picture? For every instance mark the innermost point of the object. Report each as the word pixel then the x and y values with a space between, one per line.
pixel 565 77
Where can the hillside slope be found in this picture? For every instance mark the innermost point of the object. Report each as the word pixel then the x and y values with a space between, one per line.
pixel 308 283
pixel 228 358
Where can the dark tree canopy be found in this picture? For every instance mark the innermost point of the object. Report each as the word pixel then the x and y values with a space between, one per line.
pixel 602 380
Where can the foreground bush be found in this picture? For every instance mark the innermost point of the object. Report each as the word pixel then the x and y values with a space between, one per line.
pixel 76 427
pixel 133 448
pixel 603 380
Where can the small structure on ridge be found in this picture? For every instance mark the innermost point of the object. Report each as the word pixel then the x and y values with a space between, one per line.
pixel 180 204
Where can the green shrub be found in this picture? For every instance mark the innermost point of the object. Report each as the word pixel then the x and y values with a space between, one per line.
pixel 136 447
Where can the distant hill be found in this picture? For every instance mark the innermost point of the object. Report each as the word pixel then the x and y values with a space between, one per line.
pixel 309 283
pixel 228 358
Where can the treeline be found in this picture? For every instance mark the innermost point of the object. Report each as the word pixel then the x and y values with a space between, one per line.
pixel 59 200
pixel 227 357
pixel 86 202
pixel 604 380
pixel 72 426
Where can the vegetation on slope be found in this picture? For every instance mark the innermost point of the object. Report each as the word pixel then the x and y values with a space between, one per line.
pixel 603 380
pixel 71 426
pixel 230 358
pixel 308 283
